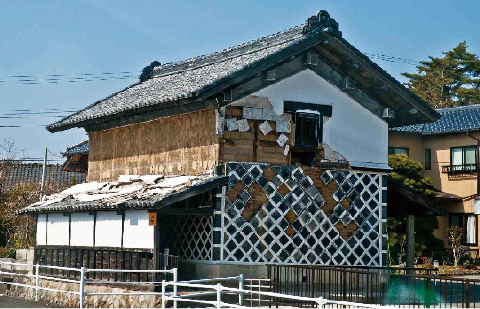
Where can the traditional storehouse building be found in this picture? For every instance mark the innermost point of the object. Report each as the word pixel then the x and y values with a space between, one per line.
pixel 273 151
pixel 448 150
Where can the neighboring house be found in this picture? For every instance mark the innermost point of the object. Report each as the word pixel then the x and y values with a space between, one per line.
pixel 282 142
pixel 448 150
pixel 77 157
pixel 13 174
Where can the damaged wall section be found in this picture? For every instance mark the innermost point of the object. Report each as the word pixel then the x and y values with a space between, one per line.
pixel 184 144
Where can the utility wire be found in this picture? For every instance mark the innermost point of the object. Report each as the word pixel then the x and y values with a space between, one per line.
pixel 107 76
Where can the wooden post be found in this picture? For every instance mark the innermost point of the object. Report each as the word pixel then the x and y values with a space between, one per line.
pixel 156 255
pixel 410 243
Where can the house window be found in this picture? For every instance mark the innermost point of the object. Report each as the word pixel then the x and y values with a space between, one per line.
pixel 428 159
pixel 463 159
pixel 397 150
pixel 468 223
pixel 307 130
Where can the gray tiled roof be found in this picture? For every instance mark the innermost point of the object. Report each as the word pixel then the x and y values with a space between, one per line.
pixel 78 148
pixel 20 173
pixel 185 79
pixel 456 119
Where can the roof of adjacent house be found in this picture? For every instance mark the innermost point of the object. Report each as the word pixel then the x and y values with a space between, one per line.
pixel 130 191
pixel 179 84
pixel 78 148
pixel 455 119
pixel 16 173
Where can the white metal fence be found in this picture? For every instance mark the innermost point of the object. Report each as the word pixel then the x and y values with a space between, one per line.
pixel 218 289
pixel 22 270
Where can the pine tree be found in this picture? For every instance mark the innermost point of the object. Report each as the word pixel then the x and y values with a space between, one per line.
pixel 453 80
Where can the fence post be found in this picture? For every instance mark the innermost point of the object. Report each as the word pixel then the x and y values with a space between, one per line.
pixel 467 293
pixel 82 285
pixel 240 287
pixel 219 295
pixel 163 294
pixel 37 280
pixel 175 280
pixel 321 302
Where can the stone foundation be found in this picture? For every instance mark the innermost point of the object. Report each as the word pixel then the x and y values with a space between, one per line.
pixel 73 300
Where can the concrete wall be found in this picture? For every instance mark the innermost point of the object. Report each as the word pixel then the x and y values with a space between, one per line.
pixel 82 229
pixel 352 130
pixel 184 144
pixel 137 232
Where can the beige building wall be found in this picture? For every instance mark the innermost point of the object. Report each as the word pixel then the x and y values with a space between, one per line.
pixel 461 185
pixel 184 144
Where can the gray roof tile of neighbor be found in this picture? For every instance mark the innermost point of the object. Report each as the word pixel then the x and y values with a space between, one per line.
pixel 78 148
pixel 455 119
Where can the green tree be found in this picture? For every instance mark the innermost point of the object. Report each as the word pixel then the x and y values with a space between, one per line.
pixel 405 171
pixel 453 80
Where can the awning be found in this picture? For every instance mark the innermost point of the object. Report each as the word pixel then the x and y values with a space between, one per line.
pixel 129 192
pixel 403 201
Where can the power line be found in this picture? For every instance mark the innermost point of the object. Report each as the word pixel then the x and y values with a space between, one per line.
pixel 64 78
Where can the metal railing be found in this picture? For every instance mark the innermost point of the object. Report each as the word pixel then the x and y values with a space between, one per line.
pixel 219 289
pixel 375 286
pixel 458 169
pixel 82 281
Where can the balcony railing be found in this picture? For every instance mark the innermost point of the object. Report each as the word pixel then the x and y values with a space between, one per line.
pixel 460 169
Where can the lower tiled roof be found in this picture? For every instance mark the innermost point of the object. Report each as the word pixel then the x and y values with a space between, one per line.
pixel 130 191
pixel 455 119
pixel 16 173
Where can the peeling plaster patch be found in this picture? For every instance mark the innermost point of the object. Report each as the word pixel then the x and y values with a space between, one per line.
pixel 283 127
pixel 243 125
pixel 232 124
pixel 269 115
pixel 254 101
pixel 282 139
pixel 252 113
pixel 265 127
pixel 220 120
pixel 331 154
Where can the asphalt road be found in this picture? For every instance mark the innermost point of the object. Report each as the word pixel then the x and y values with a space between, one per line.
pixel 11 302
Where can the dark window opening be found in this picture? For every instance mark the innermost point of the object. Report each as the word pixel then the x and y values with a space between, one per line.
pixel 303 158
pixel 428 159
pixel 307 130
pixel 468 223
pixel 397 150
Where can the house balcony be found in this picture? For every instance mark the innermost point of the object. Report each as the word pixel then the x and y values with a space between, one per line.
pixel 460 169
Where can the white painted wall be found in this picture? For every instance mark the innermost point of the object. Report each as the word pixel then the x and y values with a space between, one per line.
pixel 353 131
pixel 57 229
pixel 137 232
pixel 81 229
pixel 42 229
pixel 108 229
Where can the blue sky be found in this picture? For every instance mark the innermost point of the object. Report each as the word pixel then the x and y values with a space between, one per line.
pixel 70 38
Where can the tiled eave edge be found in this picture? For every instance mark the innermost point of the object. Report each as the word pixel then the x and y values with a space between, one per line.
pixel 150 203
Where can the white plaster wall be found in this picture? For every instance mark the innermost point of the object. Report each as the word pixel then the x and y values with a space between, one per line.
pixel 137 232
pixel 57 229
pixel 353 131
pixel 41 229
pixel 108 229
pixel 81 229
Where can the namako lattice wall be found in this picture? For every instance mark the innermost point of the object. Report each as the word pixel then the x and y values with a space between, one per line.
pixel 290 214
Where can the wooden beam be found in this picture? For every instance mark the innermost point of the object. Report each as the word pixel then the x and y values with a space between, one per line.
pixel 187 211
